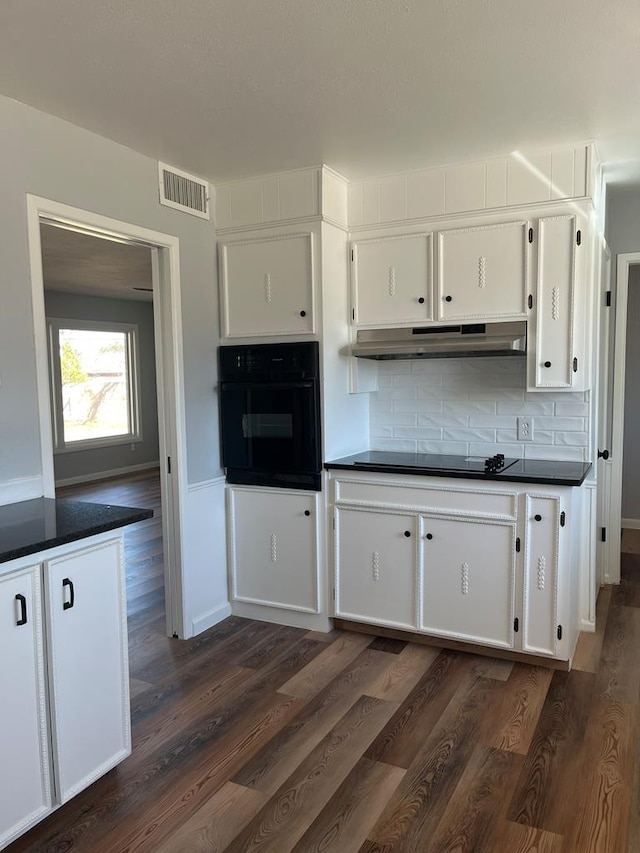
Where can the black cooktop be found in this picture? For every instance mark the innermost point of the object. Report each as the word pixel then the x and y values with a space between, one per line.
pixel 472 467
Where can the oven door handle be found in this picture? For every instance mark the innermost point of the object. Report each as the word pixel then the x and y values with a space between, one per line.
pixel 267 385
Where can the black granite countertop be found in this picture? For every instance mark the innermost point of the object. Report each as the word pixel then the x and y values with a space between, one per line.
pixel 546 471
pixel 42 523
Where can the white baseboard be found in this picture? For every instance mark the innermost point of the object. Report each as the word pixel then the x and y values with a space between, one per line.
pixel 106 475
pixel 211 618
pixel 631 523
pixel 23 489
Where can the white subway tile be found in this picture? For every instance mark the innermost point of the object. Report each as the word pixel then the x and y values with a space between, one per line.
pixel 525 408
pixel 542 436
pixel 443 420
pixel 385 380
pixel 393 444
pixel 570 424
pixel 427 365
pixel 380 404
pixel 469 434
pixel 562 454
pixel 417 380
pixel 575 439
pixel 481 393
pixel 399 366
pixel 489 449
pixel 396 394
pixel 469 407
pixel 455 447
pixel 442 394
pixel 504 422
pixel 380 431
pixel 503 366
pixel 572 409
pixel 422 433
pixel 556 396
pixel 424 406
pixel 394 418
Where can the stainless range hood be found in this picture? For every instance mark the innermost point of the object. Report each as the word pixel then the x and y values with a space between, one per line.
pixel 461 341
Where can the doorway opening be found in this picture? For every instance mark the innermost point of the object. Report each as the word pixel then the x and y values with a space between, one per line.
pixel 60 435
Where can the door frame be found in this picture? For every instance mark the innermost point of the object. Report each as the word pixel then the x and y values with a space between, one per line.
pixel 623 264
pixel 167 308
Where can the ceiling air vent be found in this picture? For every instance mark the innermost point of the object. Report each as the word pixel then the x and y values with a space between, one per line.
pixel 183 191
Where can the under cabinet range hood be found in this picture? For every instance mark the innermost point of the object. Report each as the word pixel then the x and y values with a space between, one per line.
pixel 461 341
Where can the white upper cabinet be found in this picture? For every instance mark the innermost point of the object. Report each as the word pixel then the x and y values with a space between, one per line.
pixel 483 272
pixel 555 357
pixel 392 280
pixel 267 286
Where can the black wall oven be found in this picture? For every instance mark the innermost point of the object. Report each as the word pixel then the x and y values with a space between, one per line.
pixel 270 414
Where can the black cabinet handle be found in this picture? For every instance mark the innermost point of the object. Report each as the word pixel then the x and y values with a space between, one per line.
pixel 67 605
pixel 448 298
pixel 23 609
pixel 547 364
pixel 429 536
pixel 603 454
pixel 306 512
pixel 537 517
pixel 407 533
pixel 421 300
pixel 303 313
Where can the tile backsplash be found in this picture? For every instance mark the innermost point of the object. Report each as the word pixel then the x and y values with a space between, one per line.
pixel 470 406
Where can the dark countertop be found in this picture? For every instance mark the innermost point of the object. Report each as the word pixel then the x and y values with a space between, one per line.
pixel 42 523
pixel 546 471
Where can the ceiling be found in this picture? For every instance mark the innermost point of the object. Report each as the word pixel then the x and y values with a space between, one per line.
pixel 79 263
pixel 232 88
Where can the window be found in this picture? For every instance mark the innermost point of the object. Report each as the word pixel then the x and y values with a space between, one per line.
pixel 94 387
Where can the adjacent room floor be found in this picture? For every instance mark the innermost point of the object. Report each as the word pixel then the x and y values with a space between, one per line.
pixel 255 737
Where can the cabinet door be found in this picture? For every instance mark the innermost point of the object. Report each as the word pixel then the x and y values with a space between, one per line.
pixel 375 567
pixel 468 579
pixel 554 341
pixel 88 667
pixel 540 616
pixel 267 286
pixel 483 272
pixel 25 790
pixel 273 548
pixel 392 280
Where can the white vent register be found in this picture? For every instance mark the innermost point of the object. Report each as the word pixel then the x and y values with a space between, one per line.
pixel 183 191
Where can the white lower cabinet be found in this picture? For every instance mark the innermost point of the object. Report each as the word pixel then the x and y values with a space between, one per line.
pixel 376 567
pixel 495 566
pixel 64 674
pixel 468 585
pixel 273 543
pixel 25 789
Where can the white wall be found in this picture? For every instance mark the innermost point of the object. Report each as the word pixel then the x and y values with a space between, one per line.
pixel 56 160
pixel 471 406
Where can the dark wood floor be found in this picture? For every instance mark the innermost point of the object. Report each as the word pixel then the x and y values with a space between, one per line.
pixel 254 737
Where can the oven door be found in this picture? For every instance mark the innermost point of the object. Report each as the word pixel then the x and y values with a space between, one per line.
pixel 271 433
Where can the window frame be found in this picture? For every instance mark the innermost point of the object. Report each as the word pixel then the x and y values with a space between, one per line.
pixel 132 354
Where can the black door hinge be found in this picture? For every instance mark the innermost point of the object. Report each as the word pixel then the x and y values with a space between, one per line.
pixel 579 237
pixel 563 518
pixel 603 534
pixel 168 464
pixel 531 235
pixel 516 625
pixel 352 254
pixel 559 632
pixel 518 545
pixel 608 299
pixel 575 365
pixel 353 313
pixel 530 300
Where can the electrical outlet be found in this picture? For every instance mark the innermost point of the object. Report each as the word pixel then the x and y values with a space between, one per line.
pixel 525 429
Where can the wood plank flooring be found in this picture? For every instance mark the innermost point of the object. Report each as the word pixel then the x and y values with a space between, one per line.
pixel 254 737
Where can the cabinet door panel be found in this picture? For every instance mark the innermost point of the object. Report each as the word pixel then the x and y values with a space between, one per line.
pixel 376 567
pixel 483 272
pixel 541 575
pixel 390 277
pixel 554 302
pixel 25 790
pixel 267 286
pixel 274 549
pixel 88 664
pixel 468 580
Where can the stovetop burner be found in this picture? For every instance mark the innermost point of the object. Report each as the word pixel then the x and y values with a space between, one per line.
pixel 435 461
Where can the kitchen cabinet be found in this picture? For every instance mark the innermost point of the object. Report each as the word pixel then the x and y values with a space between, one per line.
pixel 267 286
pixel 483 272
pixel 68 729
pixel 555 357
pixel 376 566
pixel 273 547
pixel 392 280
pixel 468 587
pixel 25 789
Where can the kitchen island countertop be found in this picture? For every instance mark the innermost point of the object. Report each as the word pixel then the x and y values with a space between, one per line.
pixel 29 527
